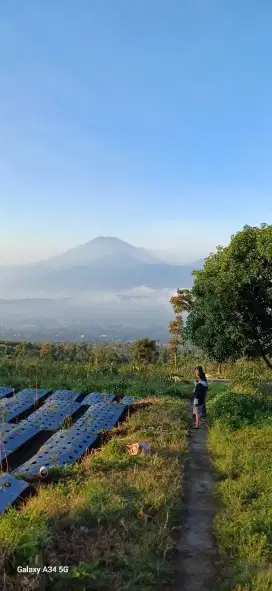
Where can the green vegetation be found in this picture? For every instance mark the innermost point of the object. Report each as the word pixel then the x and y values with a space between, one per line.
pixel 85 378
pixel 144 352
pixel 181 303
pixel 110 519
pixel 231 315
pixel 127 379
pixel 240 442
pixel 95 354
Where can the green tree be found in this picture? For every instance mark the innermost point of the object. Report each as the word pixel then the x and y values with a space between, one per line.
pixel 104 355
pixel 144 352
pixel 182 302
pixel 231 315
pixel 21 350
pixel 57 352
pixel 82 354
pixel 4 350
pixel 69 352
pixel 90 353
pixel 163 355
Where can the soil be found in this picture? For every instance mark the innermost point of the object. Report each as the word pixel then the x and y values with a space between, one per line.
pixel 197 559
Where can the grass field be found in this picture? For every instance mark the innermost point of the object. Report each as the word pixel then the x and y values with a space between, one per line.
pixel 110 518
pixel 240 442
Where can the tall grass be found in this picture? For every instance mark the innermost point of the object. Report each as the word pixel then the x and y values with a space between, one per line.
pixel 240 442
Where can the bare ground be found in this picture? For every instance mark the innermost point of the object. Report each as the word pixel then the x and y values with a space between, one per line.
pixel 196 568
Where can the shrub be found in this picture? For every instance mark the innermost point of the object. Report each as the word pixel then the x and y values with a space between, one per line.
pixel 236 410
pixel 245 376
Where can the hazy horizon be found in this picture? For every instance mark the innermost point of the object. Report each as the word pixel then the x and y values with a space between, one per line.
pixel 182 247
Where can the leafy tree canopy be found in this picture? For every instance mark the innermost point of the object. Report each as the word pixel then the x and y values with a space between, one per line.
pixel 231 314
pixel 145 351
pixel 180 303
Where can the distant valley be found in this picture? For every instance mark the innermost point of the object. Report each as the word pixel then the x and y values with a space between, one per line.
pixel 105 288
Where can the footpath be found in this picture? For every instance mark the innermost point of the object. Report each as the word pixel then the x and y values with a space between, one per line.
pixel 196 565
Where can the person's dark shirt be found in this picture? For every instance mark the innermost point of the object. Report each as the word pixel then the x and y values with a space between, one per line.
pixel 200 392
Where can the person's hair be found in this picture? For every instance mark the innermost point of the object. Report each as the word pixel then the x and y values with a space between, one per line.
pixel 201 373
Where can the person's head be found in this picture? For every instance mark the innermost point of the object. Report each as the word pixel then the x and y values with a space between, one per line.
pixel 199 373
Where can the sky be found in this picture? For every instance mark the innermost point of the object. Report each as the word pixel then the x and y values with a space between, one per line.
pixel 149 120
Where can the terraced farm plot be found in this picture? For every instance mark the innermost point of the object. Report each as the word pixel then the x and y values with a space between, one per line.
pixel 68 445
pixel 5 391
pixel 13 437
pixel 95 397
pixel 11 489
pixel 52 414
pixel 100 416
pixel 49 417
pixel 109 491
pixel 110 509
pixel 97 413
pixel 12 408
pixel 63 448
pixel 71 395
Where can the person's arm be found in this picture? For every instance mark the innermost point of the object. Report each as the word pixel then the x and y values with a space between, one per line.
pixel 198 393
pixel 193 393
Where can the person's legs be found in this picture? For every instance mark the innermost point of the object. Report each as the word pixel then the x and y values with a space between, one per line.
pixel 193 409
pixel 197 415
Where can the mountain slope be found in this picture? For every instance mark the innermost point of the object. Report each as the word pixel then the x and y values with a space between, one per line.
pixel 100 249
pixel 103 264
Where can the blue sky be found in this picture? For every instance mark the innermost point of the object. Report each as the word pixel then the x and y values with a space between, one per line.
pixel 149 120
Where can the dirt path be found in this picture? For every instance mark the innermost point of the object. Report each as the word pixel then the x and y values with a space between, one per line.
pixel 196 570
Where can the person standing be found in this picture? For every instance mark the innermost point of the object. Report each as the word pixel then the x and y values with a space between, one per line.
pixel 199 394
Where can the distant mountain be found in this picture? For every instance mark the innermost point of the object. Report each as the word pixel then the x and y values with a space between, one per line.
pixel 103 250
pixel 104 287
pixel 103 264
